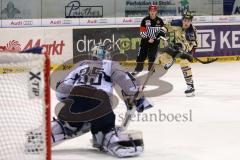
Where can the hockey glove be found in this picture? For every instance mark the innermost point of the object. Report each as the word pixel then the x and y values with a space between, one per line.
pixel 161 33
pixel 173 49
pixel 178 46
pixel 142 104
pixel 186 56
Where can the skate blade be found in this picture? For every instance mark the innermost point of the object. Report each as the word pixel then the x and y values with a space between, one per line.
pixel 190 94
pixel 94 144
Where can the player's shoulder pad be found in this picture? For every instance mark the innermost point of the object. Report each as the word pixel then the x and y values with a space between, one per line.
pixel 192 29
pixel 114 64
pixel 191 33
pixel 107 61
pixel 176 22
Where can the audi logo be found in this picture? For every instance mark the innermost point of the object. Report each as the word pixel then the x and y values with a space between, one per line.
pixel 27 23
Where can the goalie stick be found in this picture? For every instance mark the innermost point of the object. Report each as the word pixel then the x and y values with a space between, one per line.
pixel 131 109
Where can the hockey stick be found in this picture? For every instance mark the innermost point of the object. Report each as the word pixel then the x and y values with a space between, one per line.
pixel 131 109
pixel 169 65
pixel 182 52
pixel 206 62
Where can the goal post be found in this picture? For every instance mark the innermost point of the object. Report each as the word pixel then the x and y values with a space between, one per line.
pixel 25 130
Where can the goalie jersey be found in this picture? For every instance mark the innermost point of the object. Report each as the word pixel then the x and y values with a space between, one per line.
pixel 101 74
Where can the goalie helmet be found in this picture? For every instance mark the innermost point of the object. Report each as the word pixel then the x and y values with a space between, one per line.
pixel 100 51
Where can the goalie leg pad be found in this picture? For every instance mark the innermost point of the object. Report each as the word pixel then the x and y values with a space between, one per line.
pixel 60 131
pixel 120 143
pixel 63 130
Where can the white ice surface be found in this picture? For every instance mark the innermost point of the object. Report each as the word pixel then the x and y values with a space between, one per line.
pixel 213 133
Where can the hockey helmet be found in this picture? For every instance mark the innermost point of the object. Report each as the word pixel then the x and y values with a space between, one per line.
pixel 187 15
pixel 152 7
pixel 99 51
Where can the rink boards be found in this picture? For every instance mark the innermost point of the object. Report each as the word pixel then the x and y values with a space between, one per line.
pixel 219 40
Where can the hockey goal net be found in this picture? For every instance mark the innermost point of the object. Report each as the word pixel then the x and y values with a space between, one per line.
pixel 24 107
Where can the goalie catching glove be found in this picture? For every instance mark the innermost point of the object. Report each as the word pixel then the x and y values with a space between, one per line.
pixel 141 103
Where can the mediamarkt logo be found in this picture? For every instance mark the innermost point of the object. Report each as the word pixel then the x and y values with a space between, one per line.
pixel 54 48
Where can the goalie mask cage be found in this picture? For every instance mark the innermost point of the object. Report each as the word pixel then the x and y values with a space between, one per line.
pixel 25 131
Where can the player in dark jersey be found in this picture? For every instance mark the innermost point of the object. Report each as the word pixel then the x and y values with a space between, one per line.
pixel 151 27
